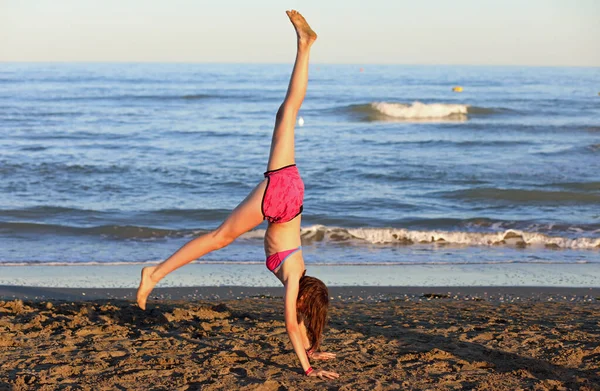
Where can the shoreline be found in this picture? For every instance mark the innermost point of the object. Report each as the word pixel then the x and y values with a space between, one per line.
pixel 337 293
pixel 582 275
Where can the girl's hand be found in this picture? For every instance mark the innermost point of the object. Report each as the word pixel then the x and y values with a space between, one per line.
pixel 324 374
pixel 322 356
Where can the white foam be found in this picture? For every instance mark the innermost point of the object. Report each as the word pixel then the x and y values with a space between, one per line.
pixel 418 110
pixel 404 236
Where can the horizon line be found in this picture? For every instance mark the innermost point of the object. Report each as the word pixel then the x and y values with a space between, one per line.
pixel 287 63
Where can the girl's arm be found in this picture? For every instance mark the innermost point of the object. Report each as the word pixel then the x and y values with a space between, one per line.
pixel 312 354
pixel 291 323
pixel 304 333
pixel 295 333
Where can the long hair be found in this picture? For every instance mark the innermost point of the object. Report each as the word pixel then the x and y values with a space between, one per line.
pixel 312 304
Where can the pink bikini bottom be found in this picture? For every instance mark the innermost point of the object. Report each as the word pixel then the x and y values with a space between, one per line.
pixel 274 261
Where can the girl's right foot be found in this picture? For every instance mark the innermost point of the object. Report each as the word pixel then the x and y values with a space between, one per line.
pixel 306 35
pixel 146 286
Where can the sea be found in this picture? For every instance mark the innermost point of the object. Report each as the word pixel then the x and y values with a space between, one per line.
pixel 123 163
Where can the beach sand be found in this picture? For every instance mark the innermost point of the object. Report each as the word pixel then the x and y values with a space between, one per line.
pixel 419 338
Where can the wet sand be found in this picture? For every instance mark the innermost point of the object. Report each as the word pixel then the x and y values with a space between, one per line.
pixel 233 338
pixel 257 275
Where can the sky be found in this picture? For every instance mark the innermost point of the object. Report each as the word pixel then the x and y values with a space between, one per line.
pixel 483 32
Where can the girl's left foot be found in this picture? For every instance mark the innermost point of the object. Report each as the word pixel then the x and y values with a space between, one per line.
pixel 306 35
pixel 146 286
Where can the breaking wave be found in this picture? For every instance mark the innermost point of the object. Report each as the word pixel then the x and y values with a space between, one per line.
pixel 400 236
pixel 577 239
pixel 417 111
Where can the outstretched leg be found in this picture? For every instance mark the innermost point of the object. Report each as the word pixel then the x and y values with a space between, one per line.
pixel 246 216
pixel 249 213
pixel 282 144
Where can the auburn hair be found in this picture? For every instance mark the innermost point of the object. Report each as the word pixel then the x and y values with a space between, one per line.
pixel 312 304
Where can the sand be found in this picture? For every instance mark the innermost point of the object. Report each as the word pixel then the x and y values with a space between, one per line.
pixel 257 275
pixel 385 339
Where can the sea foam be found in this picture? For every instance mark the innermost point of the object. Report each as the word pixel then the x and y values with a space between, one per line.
pixel 400 236
pixel 418 110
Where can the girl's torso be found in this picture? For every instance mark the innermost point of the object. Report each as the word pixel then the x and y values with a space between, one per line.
pixel 283 237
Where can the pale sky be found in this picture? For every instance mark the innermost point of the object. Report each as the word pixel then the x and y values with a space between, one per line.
pixel 502 32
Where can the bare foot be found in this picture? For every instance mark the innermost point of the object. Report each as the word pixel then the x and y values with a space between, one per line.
pixel 146 286
pixel 306 35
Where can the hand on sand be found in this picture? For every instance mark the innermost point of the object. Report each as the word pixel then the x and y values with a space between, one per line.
pixel 324 374
pixel 146 286
pixel 322 356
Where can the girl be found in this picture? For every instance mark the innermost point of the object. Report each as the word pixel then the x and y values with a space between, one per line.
pixel 278 199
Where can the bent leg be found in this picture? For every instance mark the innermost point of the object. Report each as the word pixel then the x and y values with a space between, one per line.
pixel 282 144
pixel 247 215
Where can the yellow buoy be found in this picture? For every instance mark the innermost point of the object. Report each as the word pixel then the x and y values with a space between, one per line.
pixel 457 89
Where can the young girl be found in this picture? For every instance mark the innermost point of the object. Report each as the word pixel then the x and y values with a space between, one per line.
pixel 278 199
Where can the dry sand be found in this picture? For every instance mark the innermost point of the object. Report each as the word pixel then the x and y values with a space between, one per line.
pixel 393 338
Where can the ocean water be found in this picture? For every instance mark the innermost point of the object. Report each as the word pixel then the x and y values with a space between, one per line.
pixel 123 163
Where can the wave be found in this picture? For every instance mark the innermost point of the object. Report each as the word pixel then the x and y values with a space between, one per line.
pixel 44 211
pixel 35 214
pixel 84 171
pixel 157 97
pixel 400 236
pixel 157 225
pixel 54 168
pixel 475 110
pixel 451 143
pixel 417 111
pixel 34 148
pixel 355 236
pixel 569 151
pixel 524 196
pixel 584 186
pixel 29 114
pixel 396 236
pixel 119 232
